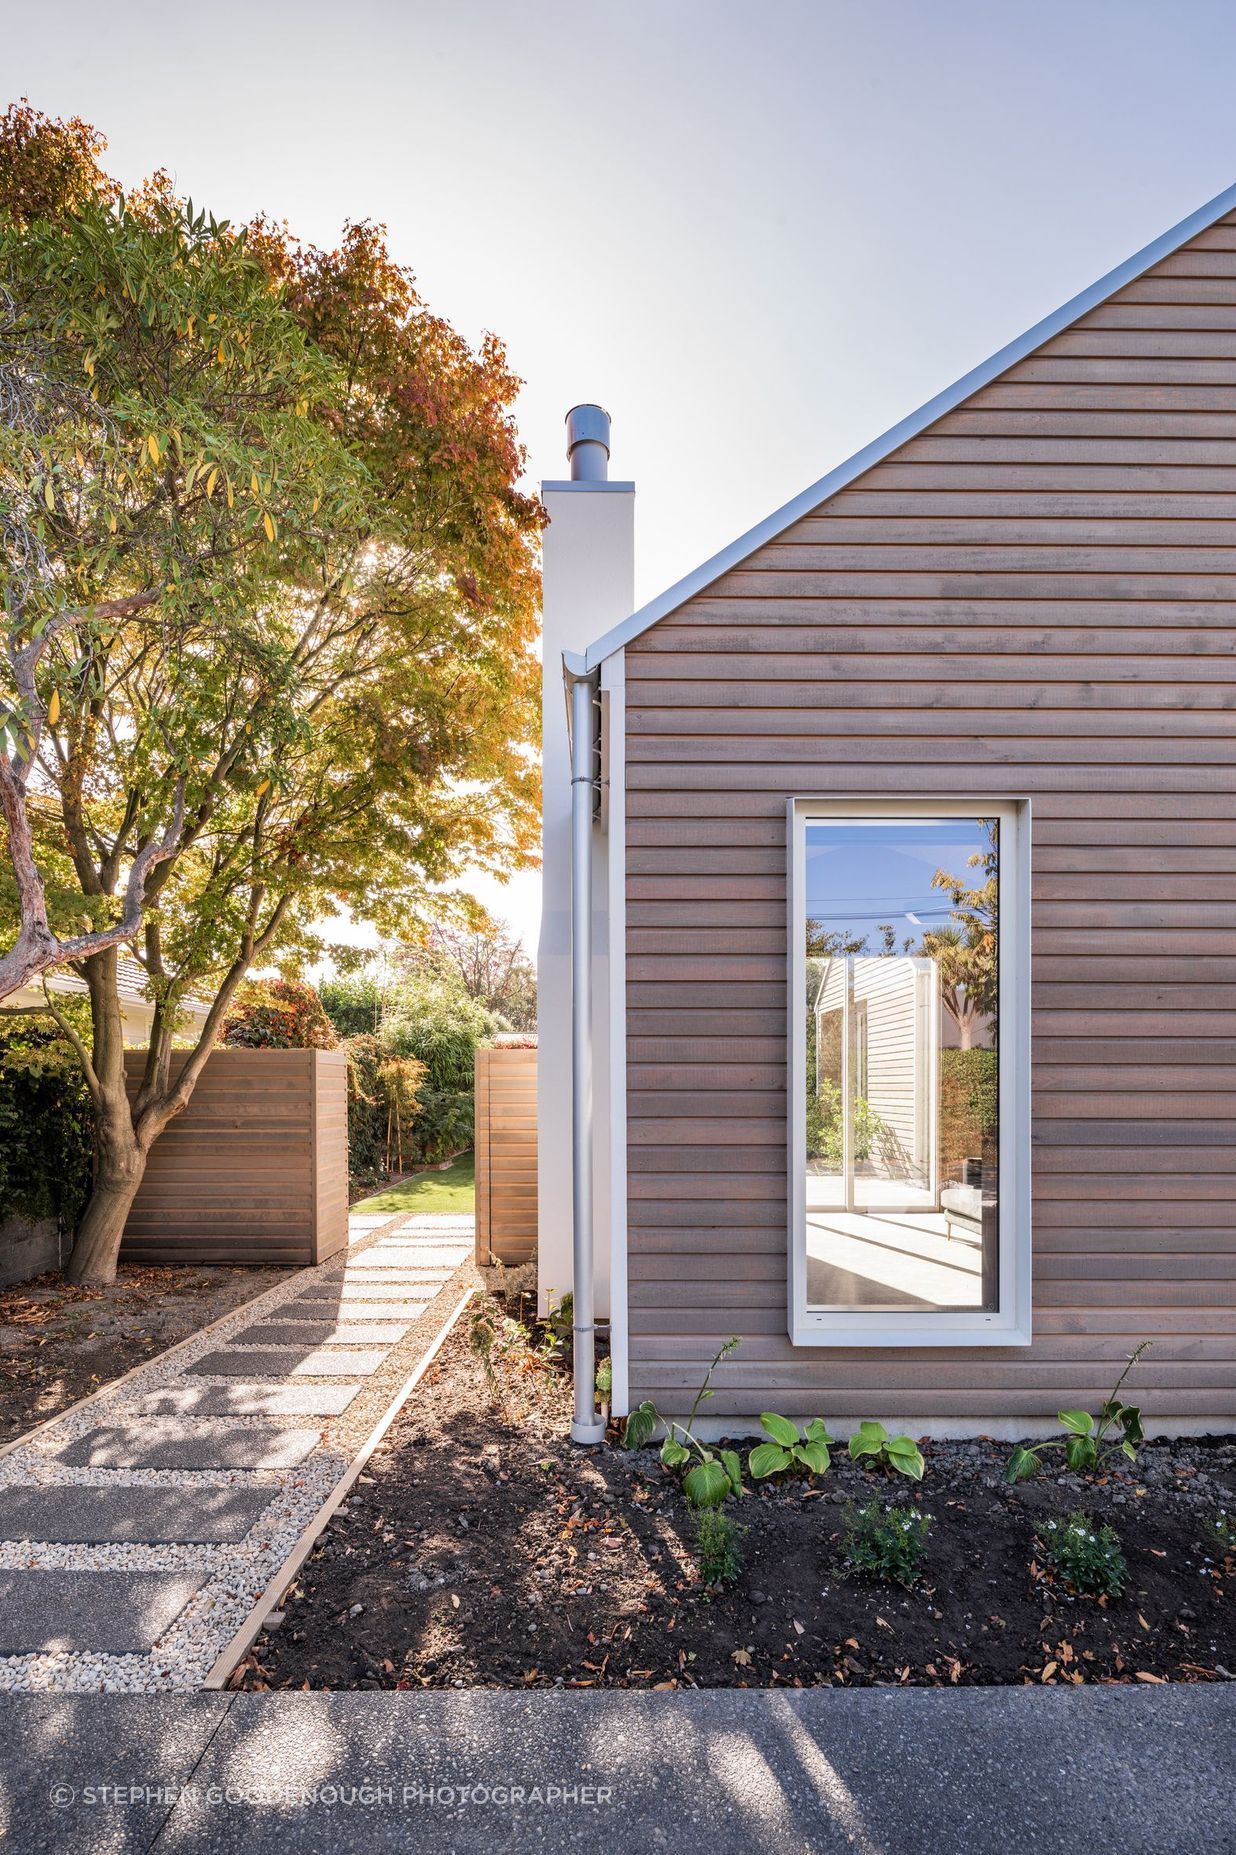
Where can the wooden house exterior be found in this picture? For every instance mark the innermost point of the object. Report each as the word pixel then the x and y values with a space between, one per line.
pixel 1029 596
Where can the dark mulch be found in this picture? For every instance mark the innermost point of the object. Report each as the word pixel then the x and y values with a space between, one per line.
pixel 482 1549
pixel 59 1342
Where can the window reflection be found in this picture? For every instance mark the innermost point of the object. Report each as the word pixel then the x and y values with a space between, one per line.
pixel 902 984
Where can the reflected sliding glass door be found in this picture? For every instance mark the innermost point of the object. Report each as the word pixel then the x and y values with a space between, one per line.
pixel 904 950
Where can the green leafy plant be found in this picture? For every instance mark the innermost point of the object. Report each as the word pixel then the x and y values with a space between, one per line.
pixel 1088 1556
pixel 899 1453
pixel 605 1379
pixel 482 1333
pixel 885 1542
pixel 1221 1529
pixel 559 1326
pixel 716 1473
pixel 789 1449
pixel 718 1550
pixel 1087 1440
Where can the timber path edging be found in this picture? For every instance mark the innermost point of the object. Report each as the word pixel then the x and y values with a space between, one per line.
pixel 147 1529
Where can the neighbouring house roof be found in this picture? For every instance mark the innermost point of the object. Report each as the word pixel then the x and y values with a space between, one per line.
pixel 917 422
pixel 130 984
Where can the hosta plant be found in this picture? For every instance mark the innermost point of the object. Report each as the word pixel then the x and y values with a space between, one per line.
pixel 788 1449
pixel 1087 1440
pixel 899 1453
pixel 714 1474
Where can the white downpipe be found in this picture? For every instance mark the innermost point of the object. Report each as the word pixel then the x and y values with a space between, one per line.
pixel 587 1426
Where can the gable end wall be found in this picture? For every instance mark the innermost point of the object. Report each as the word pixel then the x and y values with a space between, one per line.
pixel 1036 596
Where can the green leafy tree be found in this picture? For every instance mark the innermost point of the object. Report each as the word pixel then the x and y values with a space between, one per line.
pixel 965 951
pixel 490 964
pixel 269 611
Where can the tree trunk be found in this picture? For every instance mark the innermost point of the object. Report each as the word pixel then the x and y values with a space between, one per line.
pixel 119 1156
pixel 97 1246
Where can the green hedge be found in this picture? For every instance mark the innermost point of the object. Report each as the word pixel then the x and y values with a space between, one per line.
pixel 45 1127
pixel 969 1101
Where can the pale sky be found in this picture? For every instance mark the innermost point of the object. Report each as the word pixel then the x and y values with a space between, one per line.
pixel 758 233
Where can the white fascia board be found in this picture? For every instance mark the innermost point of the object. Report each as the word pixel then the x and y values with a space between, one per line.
pixel 879 448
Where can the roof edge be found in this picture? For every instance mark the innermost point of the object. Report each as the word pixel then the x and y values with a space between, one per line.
pixel 843 474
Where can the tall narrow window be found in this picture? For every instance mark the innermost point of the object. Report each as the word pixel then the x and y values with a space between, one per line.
pixel 908 1073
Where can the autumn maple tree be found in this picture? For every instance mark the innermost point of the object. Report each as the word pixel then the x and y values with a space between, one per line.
pixel 270 601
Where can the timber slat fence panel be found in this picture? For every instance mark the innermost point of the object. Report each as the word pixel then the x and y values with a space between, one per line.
pixel 256 1168
pixel 506 1196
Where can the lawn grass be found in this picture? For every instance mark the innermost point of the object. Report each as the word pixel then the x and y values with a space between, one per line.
pixel 452 1190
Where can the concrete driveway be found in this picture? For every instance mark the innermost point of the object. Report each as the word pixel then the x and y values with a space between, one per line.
pixel 1135 1771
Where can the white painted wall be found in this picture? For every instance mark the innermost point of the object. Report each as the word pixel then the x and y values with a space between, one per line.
pixel 589 586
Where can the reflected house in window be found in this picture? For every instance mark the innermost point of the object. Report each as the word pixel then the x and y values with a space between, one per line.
pixel 900 1203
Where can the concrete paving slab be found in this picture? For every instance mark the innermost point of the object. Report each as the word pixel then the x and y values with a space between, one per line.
pixel 440 1255
pixel 371 1262
pixel 53 1747
pixel 999 1771
pixel 120 1612
pixel 323 1333
pixel 359 1310
pixel 74 1515
pixel 315 1362
pixel 188 1443
pixel 360 1288
pixel 250 1399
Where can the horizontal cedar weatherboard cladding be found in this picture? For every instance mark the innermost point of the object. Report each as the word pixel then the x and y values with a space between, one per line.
pixel 1037 596
pixel 256 1167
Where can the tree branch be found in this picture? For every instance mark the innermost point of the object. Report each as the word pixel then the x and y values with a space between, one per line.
pixel 36 948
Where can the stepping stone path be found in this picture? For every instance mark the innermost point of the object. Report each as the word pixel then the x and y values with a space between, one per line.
pixel 138 1530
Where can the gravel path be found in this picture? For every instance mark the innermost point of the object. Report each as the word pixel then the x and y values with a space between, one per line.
pixel 163 1506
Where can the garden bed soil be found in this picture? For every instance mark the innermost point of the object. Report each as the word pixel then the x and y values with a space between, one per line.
pixel 481 1548
pixel 59 1342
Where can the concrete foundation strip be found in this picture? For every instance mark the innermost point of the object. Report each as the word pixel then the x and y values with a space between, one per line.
pixel 231 1657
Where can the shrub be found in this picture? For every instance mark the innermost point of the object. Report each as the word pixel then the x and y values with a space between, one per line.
pixel 278 1014
pixel 366 1114
pixel 353 1004
pixel 441 1026
pixel 885 1542
pixel 1089 1557
pixel 718 1551
pixel 445 1125
pixel 46 1126
pixel 385 1107
pixel 1221 1530
pixel 969 1087
pixel 824 1125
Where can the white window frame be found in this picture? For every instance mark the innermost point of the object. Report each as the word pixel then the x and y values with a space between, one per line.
pixel 1009 1324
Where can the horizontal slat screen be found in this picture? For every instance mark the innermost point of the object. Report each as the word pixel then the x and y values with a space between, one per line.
pixel 255 1170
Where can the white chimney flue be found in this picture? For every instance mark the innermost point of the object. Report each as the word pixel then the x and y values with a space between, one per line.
pixel 588 443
